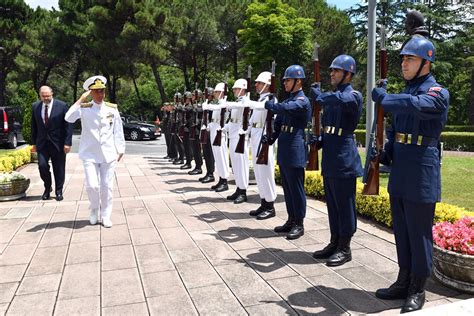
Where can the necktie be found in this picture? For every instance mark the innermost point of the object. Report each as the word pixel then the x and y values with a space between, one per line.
pixel 46 114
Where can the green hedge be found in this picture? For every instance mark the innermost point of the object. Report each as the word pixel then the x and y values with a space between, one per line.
pixel 460 141
pixel 15 159
pixel 447 128
pixel 376 207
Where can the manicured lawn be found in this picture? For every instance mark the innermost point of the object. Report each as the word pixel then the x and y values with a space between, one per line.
pixel 457 181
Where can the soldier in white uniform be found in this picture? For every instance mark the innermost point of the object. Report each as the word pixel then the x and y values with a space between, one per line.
pixel 102 145
pixel 220 152
pixel 264 174
pixel 240 161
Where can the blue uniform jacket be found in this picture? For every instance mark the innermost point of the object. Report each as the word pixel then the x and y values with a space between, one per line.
pixel 295 112
pixel 341 109
pixel 421 109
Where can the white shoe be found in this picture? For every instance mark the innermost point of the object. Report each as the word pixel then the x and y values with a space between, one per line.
pixel 93 218
pixel 106 222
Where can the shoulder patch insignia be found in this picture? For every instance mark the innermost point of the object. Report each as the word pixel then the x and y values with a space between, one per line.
pixel 112 105
pixel 437 89
pixel 86 105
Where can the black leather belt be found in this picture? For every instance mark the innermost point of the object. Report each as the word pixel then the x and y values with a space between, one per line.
pixel 405 138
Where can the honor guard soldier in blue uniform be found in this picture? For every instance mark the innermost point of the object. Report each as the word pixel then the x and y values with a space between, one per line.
pixel 187 112
pixel 195 125
pixel 293 115
pixel 176 121
pixel 340 161
pixel 419 114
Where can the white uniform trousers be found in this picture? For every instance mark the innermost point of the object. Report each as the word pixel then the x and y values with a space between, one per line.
pixel 264 174
pixel 220 153
pixel 99 186
pixel 240 163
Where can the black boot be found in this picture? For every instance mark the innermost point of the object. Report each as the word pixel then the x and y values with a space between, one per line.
pixel 297 230
pixel 217 184
pixel 269 211
pixel 416 295
pixel 234 195
pixel 398 290
pixel 327 251
pixel 223 186
pixel 342 254
pixel 285 228
pixel 242 197
pixel 178 162
pixel 259 210
pixel 195 171
pixel 208 178
pixel 186 166
pixel 46 193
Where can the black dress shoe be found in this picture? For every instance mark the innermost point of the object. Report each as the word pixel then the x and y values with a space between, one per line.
pixel 342 254
pixel 266 214
pixel 296 232
pixel 195 171
pixel 178 162
pixel 234 195
pixel 241 198
pixel 222 187
pixel 217 184
pixel 46 194
pixel 259 210
pixel 166 157
pixel 398 290
pixel 208 179
pixel 285 228
pixel 59 196
pixel 416 295
pixel 186 166
pixel 327 251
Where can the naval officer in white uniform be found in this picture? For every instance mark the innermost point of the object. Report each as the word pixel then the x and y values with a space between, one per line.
pixel 102 145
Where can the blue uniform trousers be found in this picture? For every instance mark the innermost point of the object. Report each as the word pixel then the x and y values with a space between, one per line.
pixel 292 180
pixel 340 198
pixel 412 223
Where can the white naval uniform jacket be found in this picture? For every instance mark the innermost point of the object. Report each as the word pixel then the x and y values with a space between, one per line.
pixel 102 131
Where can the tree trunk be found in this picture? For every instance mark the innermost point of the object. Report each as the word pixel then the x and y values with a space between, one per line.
pixel 234 56
pixel 2 88
pixel 159 83
pixel 195 67
pixel 186 77
pixel 137 91
pixel 44 80
pixel 471 101
pixel 77 72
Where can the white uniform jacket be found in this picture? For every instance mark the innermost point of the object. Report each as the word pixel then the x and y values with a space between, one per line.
pixel 102 131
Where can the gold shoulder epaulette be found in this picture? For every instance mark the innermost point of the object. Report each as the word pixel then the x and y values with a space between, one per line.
pixel 86 105
pixel 112 105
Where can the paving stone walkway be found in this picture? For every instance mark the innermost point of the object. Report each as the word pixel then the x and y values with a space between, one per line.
pixel 177 248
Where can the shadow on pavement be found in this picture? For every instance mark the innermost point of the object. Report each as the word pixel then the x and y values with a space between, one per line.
pixel 64 224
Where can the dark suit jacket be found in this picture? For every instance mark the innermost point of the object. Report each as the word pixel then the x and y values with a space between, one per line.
pixel 58 132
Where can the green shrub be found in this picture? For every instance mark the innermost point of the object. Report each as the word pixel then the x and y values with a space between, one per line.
pixel 15 159
pixel 376 207
pixel 460 141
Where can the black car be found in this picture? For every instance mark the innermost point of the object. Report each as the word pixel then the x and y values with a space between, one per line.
pixel 11 123
pixel 134 129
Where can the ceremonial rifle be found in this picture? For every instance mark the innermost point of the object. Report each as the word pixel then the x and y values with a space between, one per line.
pixel 245 116
pixel 313 163
pixel 217 140
pixel 262 154
pixel 204 134
pixel 371 178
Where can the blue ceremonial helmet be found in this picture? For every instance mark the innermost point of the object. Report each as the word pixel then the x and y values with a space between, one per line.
pixel 294 72
pixel 421 47
pixel 344 62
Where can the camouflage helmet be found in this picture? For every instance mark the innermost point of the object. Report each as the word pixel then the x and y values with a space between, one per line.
pixel 178 95
pixel 210 91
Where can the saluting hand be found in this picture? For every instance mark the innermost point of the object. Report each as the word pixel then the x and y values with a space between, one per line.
pixel 83 97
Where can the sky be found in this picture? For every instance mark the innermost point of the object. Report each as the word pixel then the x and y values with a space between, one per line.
pixel 341 4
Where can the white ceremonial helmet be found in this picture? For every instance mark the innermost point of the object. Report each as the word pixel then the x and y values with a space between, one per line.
pixel 94 83
pixel 240 84
pixel 265 77
pixel 219 87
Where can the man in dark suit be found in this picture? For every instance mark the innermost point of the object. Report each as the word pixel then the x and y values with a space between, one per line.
pixel 51 137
